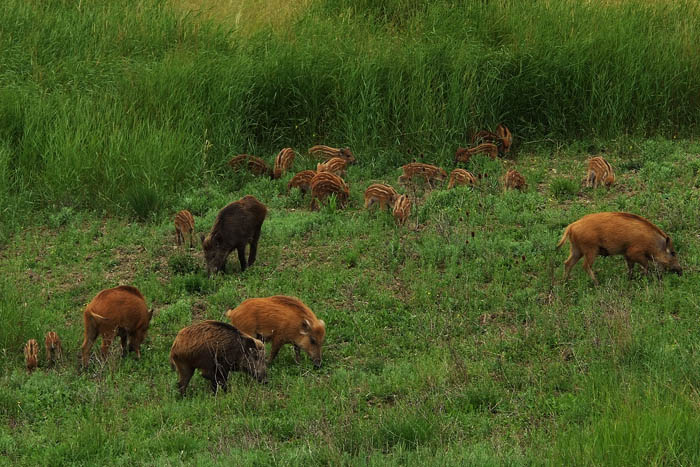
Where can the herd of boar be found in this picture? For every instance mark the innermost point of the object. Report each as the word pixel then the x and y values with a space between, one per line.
pixel 217 348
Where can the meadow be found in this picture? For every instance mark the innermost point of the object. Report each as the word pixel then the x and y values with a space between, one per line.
pixel 452 340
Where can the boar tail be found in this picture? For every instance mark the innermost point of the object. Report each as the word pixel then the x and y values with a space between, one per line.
pixel 564 237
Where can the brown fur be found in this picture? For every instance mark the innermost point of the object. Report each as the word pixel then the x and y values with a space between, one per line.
pixel 54 351
pixel 121 310
pixel 402 209
pixel 461 177
pixel 252 164
pixel 283 162
pixel 216 349
pixel 599 172
pixel 428 172
pixel 484 136
pixel 184 227
pixel 385 195
pixel 238 224
pixel 326 152
pixel 284 320
pixel 505 138
pixel 514 181
pixel 326 183
pixel 463 154
pixel 336 165
pixel 618 233
pixel 31 355
pixel 302 180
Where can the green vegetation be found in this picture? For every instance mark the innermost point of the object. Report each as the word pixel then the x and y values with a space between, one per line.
pixel 450 341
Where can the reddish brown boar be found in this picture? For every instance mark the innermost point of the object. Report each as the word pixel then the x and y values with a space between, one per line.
pixel 461 177
pixel 429 173
pixel 505 138
pixel 54 352
pixel 402 209
pixel 618 233
pixel 599 172
pixel 121 310
pixel 31 355
pixel 326 152
pixel 325 184
pixel 237 225
pixel 385 195
pixel 253 164
pixel 284 320
pixel 216 349
pixel 514 181
pixel 283 162
pixel 302 180
pixel 184 227
pixel 336 165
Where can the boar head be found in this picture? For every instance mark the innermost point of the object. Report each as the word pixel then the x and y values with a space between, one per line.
pixel 666 256
pixel 311 339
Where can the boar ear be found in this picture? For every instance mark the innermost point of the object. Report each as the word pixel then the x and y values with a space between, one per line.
pixel 150 314
pixel 305 327
pixel 668 243
pixel 201 238
pixel 322 323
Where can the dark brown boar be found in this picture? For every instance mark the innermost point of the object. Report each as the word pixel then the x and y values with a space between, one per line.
pixel 184 227
pixel 31 355
pixel 618 233
pixel 236 226
pixel 121 310
pixel 302 180
pixel 283 320
pixel 216 349
pixel 54 352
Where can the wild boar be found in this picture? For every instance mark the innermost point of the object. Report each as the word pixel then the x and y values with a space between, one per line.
pixel 464 154
pixel 54 352
pixel 283 162
pixel 283 320
pixel 252 164
pixel 327 152
pixel 121 310
pixel 618 233
pixel 325 184
pixel 216 349
pixel 599 172
pixel 402 209
pixel 31 355
pixel 184 227
pixel 461 177
pixel 505 138
pixel 385 195
pixel 237 225
pixel 428 172
pixel 302 180
pixel 513 180
pixel 336 165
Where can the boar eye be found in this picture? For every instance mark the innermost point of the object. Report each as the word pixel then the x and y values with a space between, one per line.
pixel 313 341
pixel 673 253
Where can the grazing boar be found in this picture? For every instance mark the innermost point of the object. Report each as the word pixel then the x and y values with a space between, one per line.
pixel 428 172
pixel 31 355
pixel 505 138
pixel 237 225
pixel 327 152
pixel 336 165
pixel 216 349
pixel 184 227
pixel 54 352
pixel 121 310
pixel 326 183
pixel 302 180
pixel 283 162
pixel 618 233
pixel 252 164
pixel 464 154
pixel 461 177
pixel 599 172
pixel 402 209
pixel 385 195
pixel 283 320
pixel 513 180
pixel 484 136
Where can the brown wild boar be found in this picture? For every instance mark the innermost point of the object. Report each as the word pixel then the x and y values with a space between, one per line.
pixel 54 352
pixel 121 310
pixel 237 225
pixel 513 180
pixel 461 177
pixel 325 184
pixel 429 173
pixel 484 136
pixel 505 138
pixel 283 162
pixel 302 180
pixel 252 164
pixel 618 233
pixel 184 227
pixel 599 172
pixel 336 165
pixel 385 195
pixel 31 355
pixel 327 152
pixel 402 209
pixel 283 320
pixel 463 154
pixel 216 349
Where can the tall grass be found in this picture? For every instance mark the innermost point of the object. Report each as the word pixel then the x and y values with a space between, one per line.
pixel 103 99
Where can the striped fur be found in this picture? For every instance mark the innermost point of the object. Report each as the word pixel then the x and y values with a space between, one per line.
pixel 336 165
pixel 599 172
pixel 461 177
pixel 464 154
pixel 513 180
pixel 326 152
pixel 385 195
pixel 54 351
pixel 252 164
pixel 302 180
pixel 326 183
pixel 31 354
pixel 429 173
pixel 184 227
pixel 402 209
pixel 505 138
pixel 283 162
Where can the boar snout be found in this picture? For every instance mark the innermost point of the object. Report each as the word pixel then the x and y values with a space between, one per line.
pixel 317 362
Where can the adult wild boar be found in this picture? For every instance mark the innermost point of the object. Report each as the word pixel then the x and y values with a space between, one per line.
pixel 618 233
pixel 236 226
pixel 120 310
pixel 284 320
pixel 216 349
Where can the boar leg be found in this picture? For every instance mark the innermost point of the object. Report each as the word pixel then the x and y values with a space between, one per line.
pixel 241 256
pixel 637 256
pixel 574 256
pixel 107 338
pixel 178 237
pixel 90 336
pixel 297 353
pixel 185 375
pixel 276 344
pixel 220 378
pixel 253 248
pixel 588 262
pixel 122 335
